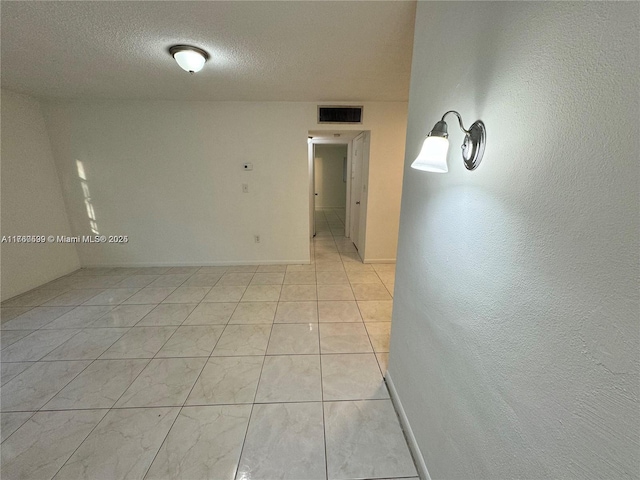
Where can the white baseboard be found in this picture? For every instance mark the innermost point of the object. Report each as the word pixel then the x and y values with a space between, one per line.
pixel 196 264
pixel 411 439
pixel 379 260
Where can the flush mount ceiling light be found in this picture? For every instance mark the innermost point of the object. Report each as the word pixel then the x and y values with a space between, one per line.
pixel 433 155
pixel 190 59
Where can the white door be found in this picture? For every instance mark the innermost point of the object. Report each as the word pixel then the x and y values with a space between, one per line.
pixel 356 189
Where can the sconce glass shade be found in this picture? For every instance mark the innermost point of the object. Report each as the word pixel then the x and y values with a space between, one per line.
pixel 433 156
pixel 190 59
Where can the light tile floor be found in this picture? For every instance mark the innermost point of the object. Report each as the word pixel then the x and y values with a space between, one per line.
pixel 250 372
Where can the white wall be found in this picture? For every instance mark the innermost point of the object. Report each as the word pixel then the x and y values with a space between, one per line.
pixel 330 187
pixel 514 347
pixel 169 175
pixel 31 200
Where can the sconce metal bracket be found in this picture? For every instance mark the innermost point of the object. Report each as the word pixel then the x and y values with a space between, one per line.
pixel 473 146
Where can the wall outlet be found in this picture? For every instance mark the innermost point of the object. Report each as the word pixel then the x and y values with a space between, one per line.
pixel 256 238
pixel 247 166
pixel 245 188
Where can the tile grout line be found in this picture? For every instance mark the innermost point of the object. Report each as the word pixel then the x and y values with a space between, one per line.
pixel 255 396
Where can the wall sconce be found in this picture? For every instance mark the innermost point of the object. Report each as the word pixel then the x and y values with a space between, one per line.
pixel 433 155
pixel 191 59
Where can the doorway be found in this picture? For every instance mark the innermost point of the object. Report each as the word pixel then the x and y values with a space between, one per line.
pixel 330 185
pixel 339 209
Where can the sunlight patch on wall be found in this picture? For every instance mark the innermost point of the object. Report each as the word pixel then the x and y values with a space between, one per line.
pixel 93 224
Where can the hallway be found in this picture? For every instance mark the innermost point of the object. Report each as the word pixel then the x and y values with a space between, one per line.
pixel 248 372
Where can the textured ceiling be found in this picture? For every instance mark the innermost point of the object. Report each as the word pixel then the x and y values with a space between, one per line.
pixel 293 51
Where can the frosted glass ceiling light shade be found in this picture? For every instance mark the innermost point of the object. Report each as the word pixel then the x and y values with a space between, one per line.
pixel 190 59
pixel 433 155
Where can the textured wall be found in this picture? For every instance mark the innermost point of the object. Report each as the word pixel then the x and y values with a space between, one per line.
pixel 31 200
pixel 515 348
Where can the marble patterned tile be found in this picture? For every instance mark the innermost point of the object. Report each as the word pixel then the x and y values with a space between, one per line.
pixel 290 378
pixel 270 278
pixel 139 342
pixel 370 291
pixel 133 436
pixel 335 292
pixel 379 334
pixel 357 266
pixel 243 340
pixel 167 314
pixel 383 362
pixel 9 313
pixel 363 277
pixel 387 277
pixel 364 440
pixel 330 266
pixel 376 310
pixel 227 380
pixel 300 278
pixel 74 297
pixel 112 296
pixel 234 279
pixel 122 316
pixel 192 341
pixel 170 280
pixel 99 386
pixel 261 293
pixel 211 314
pixel 35 346
pixel 88 344
pixel 12 370
pixel 9 337
pixel 182 270
pixel 37 385
pixel 35 318
pixel 187 295
pixel 344 338
pixel 243 268
pixel 205 442
pixel 298 293
pixel 225 294
pixel 202 280
pixel 332 278
pixel 254 313
pixel 272 269
pixel 102 281
pixel 12 421
pixel 138 280
pixel 338 312
pixel 212 270
pixel 384 267
pixel 297 312
pixel 41 446
pixel 80 317
pixel 149 296
pixel 352 377
pixel 33 298
pixel 164 382
pixel 301 268
pixel 284 441
pixel 294 339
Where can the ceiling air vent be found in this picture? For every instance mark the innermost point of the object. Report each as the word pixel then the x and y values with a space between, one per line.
pixel 339 114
